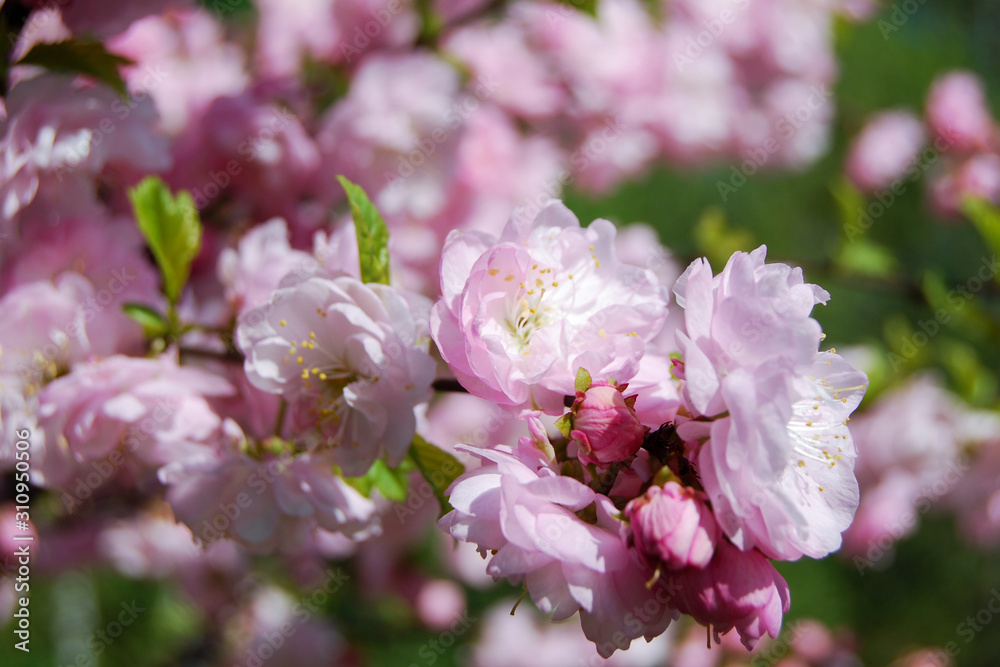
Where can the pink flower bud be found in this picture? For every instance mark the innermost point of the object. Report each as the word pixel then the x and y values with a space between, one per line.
pixel 605 425
pixel 957 112
pixel 884 150
pixel 738 589
pixel 673 525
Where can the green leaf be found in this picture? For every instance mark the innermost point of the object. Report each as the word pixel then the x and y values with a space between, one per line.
pixel 588 7
pixel 172 229
pixel 392 483
pixel 715 240
pixel 372 232
pixel 956 309
pixel 986 219
pixel 437 466
pixel 976 383
pixel 79 56
pixel 565 424
pixel 849 200
pixel 583 379
pixel 154 323
pixel 867 258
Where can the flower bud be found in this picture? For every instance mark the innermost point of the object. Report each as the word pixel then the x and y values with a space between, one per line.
pixel 957 112
pixel 738 589
pixel 604 424
pixel 672 524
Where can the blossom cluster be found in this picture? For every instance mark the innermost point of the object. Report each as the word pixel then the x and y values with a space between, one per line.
pixel 220 346
pixel 629 522
pixel 956 143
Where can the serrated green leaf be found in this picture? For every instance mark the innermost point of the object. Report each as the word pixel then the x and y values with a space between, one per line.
pixel 986 219
pixel 372 232
pixel 393 484
pixel 79 56
pixel 437 466
pixel 153 322
pixel 172 229
pixel 583 379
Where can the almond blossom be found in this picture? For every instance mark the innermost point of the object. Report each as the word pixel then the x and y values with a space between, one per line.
pixel 349 358
pixel 769 410
pixel 520 314
pixel 527 517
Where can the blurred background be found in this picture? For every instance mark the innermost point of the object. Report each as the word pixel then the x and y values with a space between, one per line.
pixel 899 229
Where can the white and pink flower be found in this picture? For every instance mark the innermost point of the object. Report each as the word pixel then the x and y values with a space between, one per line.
pixel 351 359
pixel 769 410
pixel 520 314
pixel 527 516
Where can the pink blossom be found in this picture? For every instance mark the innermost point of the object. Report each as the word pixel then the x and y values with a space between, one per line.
pixel 265 504
pixel 43 331
pixel 440 603
pixel 49 326
pixel 700 100
pixel 526 85
pixel 337 251
pixel 259 263
pixel 526 515
pixel 456 418
pixel 153 408
pixel 499 169
pixel 604 424
pixel 638 244
pixel 672 524
pixel 183 62
pixel 53 146
pixel 521 313
pixel 976 500
pixel 911 458
pixel 884 149
pixel 737 589
pixel 395 27
pixel 776 458
pixel 978 177
pixel 450 10
pixel 957 112
pixel 146 546
pixel 253 154
pixel 99 18
pixel 272 612
pixel 399 108
pixel 108 255
pixel 917 428
pixel 528 639
pixel 885 515
pixel 351 360
pixel 289 32
pixel 803 643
